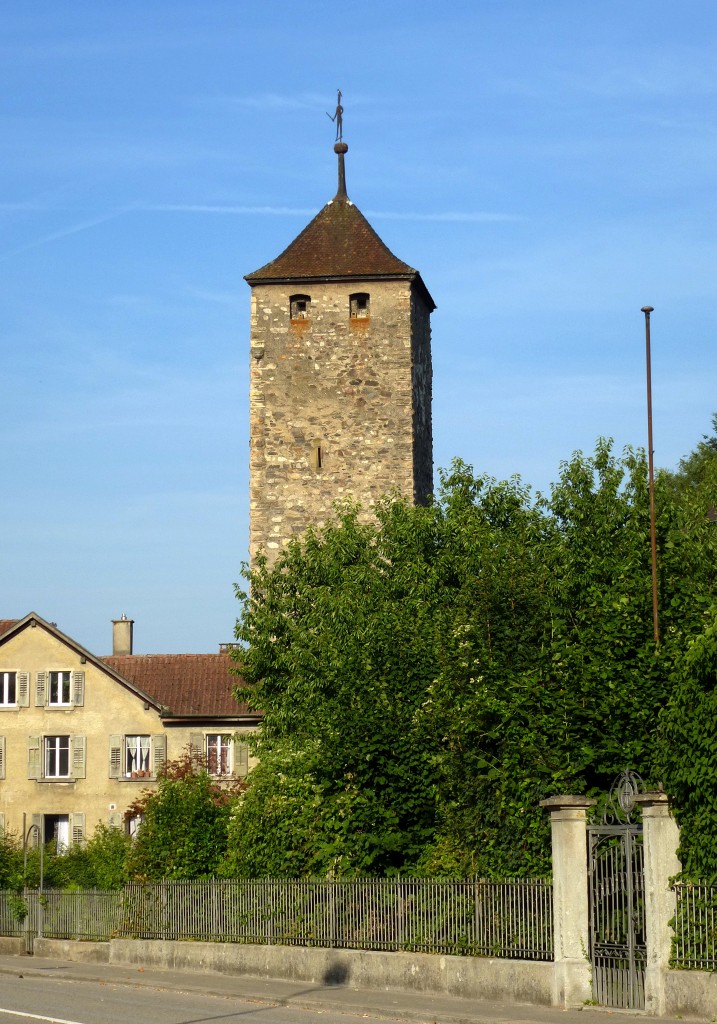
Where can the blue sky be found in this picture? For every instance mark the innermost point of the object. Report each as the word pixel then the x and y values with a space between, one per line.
pixel 549 167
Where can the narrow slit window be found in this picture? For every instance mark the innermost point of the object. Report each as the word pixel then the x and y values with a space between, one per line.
pixel 318 455
pixel 360 305
pixel 299 306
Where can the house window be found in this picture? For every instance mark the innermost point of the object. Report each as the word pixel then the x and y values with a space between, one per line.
pixel 56 830
pixel 359 305
pixel 57 757
pixel 137 757
pixel 54 689
pixel 133 825
pixel 62 830
pixel 299 306
pixel 59 694
pixel 8 682
pixel 219 754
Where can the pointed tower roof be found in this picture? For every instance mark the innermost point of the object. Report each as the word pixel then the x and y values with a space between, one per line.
pixel 339 244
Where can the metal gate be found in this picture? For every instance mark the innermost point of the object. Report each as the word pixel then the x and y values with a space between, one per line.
pixel 618 949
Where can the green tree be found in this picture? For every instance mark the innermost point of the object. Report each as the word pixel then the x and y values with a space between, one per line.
pixel 184 831
pixel 427 679
pixel 339 639
pixel 688 753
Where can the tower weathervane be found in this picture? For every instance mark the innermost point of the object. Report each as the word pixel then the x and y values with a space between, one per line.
pixel 338 117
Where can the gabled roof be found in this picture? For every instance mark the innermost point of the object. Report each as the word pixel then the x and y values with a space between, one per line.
pixel 33 620
pixel 338 244
pixel 176 685
pixel 187 685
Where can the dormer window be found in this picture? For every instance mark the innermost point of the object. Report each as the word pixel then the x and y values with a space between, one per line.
pixel 359 305
pixel 299 306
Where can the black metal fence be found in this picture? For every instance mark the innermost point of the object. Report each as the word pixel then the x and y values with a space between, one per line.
pixel 511 918
pixel 694 944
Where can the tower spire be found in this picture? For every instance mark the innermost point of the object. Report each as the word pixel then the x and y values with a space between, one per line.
pixel 340 147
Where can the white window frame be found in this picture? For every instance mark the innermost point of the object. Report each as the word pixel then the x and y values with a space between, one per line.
pixel 54 747
pixel 57 683
pixel 219 745
pixel 138 756
pixel 5 680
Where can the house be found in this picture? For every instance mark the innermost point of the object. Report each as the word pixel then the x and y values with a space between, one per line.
pixel 81 736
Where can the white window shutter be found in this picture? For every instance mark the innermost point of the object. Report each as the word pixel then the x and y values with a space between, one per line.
pixel 34 759
pixel 2 757
pixel 77 828
pixel 159 753
pixel 78 688
pixel 196 744
pixel 241 755
pixel 41 682
pixel 116 748
pixel 79 756
pixel 115 819
pixel 22 691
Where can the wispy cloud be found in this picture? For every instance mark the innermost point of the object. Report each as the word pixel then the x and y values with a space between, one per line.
pixel 273 211
pixel 458 216
pixel 72 229
pixel 270 101
pixel 455 217
pixel 19 207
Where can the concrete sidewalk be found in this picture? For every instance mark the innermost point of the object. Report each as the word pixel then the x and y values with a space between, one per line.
pixel 415 1007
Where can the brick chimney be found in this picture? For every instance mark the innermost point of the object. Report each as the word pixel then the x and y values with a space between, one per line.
pixel 122 635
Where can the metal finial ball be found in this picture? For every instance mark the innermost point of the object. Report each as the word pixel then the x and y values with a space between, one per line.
pixel 647 309
pixel 341 147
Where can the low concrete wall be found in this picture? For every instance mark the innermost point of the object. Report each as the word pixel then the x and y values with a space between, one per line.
pixel 77 952
pixel 519 981
pixel 11 946
pixel 690 994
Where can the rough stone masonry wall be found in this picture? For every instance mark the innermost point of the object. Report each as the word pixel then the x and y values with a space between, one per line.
pixel 346 387
pixel 422 401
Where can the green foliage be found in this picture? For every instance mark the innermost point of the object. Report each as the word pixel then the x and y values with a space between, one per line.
pixel 10 861
pixel 427 679
pixel 99 864
pixel 689 753
pixel 184 831
pixel 340 649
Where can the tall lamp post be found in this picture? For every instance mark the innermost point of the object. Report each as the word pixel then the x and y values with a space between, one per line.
pixel 651 474
pixel 26 833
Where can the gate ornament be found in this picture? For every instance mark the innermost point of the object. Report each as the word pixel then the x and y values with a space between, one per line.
pixel 621 799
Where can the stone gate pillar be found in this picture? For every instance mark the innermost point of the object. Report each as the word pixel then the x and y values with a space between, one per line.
pixel 572 974
pixel 660 836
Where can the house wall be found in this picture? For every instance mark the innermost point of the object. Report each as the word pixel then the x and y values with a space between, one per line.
pixel 358 388
pixel 108 710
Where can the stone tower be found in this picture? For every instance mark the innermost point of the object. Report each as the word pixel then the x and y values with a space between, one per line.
pixel 340 392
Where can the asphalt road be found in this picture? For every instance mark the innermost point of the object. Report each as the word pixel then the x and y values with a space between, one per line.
pixel 24 1000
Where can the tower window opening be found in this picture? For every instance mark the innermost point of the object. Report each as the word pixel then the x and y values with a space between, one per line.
pixel 299 306
pixel 359 305
pixel 318 456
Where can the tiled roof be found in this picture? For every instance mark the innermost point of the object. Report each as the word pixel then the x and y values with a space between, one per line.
pixel 185 684
pixel 6 624
pixel 338 243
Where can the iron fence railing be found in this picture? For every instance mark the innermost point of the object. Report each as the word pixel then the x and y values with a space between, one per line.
pixel 512 918
pixel 694 943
